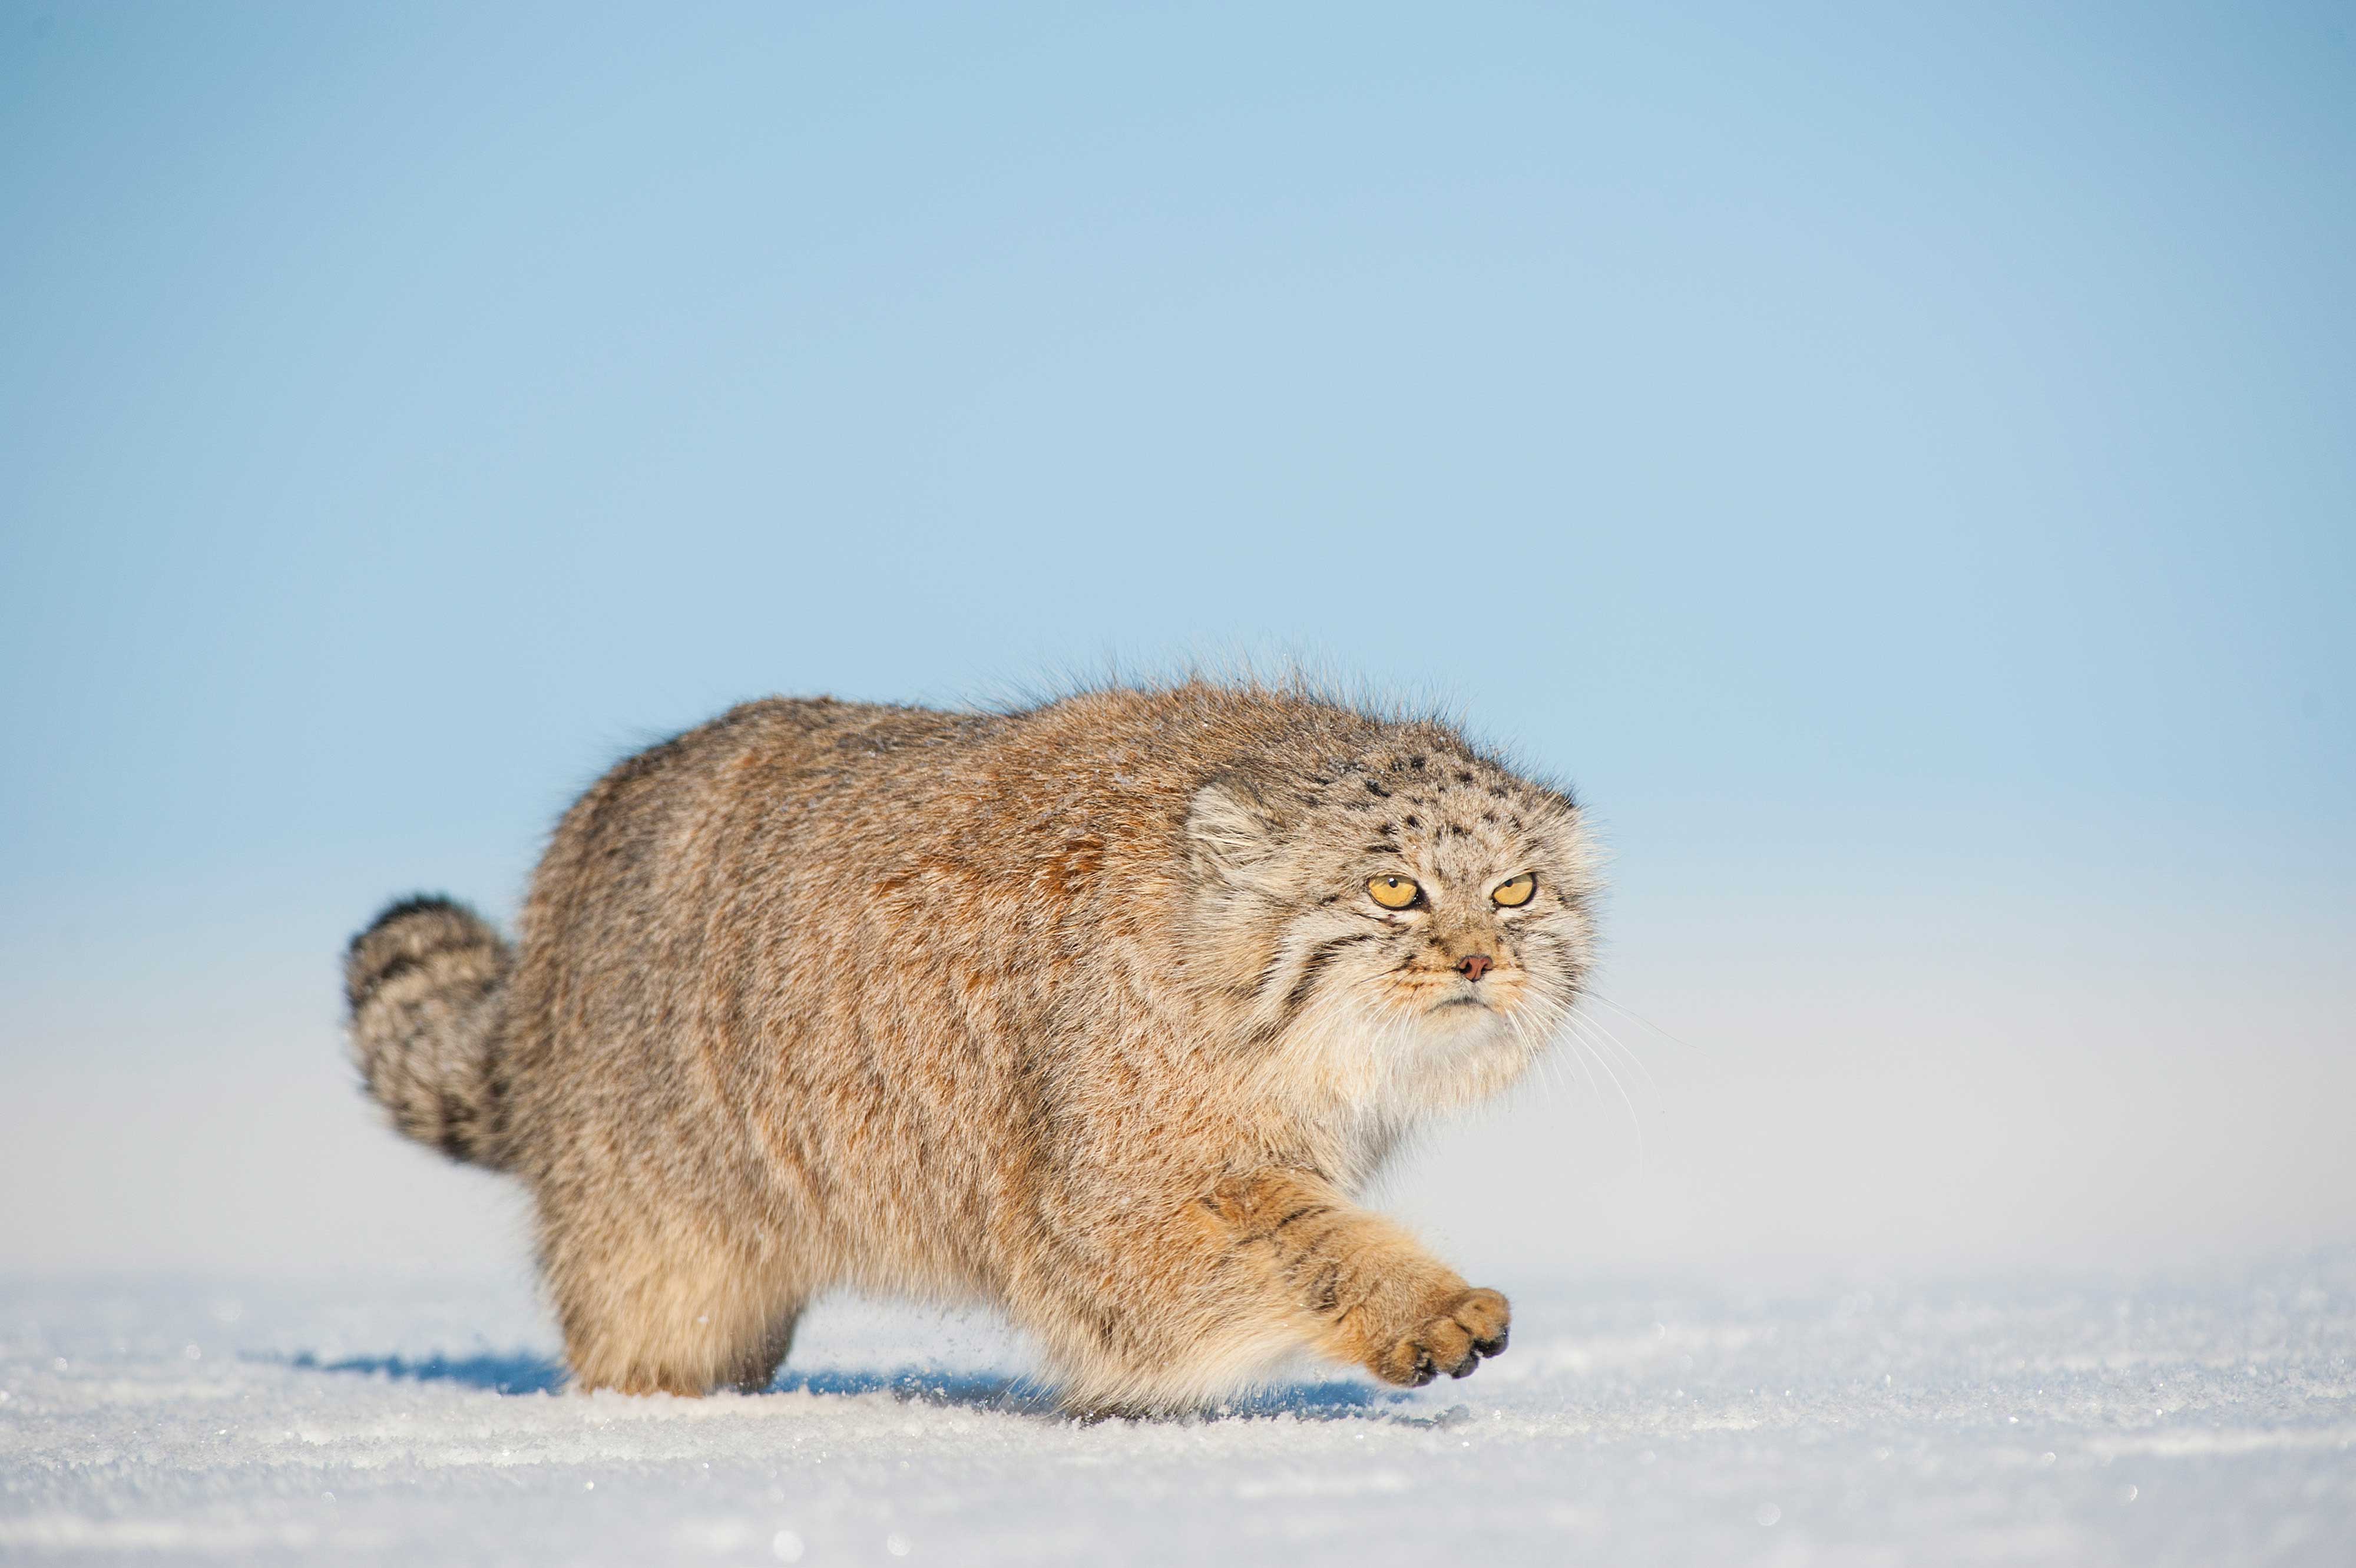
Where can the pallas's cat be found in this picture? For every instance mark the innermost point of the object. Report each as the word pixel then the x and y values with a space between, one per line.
pixel 1100 1013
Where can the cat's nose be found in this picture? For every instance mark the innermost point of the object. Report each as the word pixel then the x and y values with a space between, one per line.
pixel 1473 966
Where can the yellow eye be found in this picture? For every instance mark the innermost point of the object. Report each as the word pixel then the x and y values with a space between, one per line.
pixel 1393 892
pixel 1516 893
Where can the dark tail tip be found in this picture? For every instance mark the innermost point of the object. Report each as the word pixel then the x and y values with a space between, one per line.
pixel 426 984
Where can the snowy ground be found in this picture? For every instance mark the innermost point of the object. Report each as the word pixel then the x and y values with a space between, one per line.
pixel 2213 1423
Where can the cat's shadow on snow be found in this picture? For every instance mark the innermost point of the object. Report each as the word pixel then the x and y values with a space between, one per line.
pixel 517 1374
pixel 1331 1400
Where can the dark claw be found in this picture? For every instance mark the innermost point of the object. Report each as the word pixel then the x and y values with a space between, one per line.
pixel 1464 1367
pixel 1493 1346
pixel 1424 1369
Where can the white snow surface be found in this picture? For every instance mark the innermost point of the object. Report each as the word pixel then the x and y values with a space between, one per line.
pixel 2213 1421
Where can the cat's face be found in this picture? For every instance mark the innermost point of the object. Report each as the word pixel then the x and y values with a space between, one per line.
pixel 1409 926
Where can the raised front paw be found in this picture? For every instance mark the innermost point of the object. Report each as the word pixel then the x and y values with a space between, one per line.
pixel 1467 1327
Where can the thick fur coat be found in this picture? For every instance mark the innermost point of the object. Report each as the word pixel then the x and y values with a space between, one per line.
pixel 1090 1013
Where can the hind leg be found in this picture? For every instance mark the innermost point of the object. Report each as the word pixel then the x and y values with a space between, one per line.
pixel 668 1314
pixel 688 1333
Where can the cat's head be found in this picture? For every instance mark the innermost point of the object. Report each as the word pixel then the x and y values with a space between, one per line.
pixel 1401 929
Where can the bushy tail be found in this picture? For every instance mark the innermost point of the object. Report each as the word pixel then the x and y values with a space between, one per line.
pixel 427 983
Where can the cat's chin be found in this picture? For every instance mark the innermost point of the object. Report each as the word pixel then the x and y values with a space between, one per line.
pixel 1452 1030
pixel 1469 1010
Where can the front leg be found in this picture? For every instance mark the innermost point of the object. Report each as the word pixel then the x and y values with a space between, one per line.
pixel 1381 1300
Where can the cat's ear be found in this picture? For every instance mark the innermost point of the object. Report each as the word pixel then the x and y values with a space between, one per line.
pixel 1229 829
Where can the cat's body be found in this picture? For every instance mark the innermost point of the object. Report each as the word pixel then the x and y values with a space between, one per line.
pixel 1088 1012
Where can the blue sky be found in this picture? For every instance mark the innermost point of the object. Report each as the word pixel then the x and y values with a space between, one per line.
pixel 1897 466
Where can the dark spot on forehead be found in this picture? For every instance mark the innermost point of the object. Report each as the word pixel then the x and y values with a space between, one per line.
pixel 1455 831
pixel 1489 817
pixel 1415 761
pixel 1498 790
pixel 1376 788
pixel 1381 848
pixel 1413 820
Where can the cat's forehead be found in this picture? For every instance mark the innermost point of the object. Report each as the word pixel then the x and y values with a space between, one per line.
pixel 1440 805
